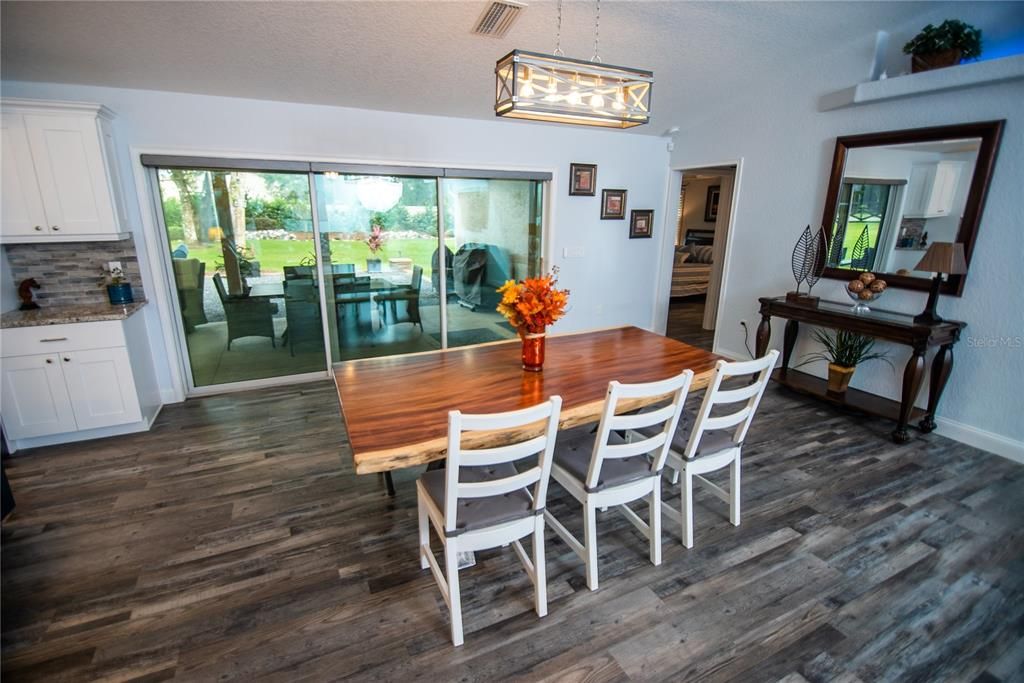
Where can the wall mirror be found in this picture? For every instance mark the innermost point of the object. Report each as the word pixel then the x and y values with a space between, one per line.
pixel 892 194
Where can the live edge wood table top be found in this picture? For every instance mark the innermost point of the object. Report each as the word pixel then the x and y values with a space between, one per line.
pixel 396 408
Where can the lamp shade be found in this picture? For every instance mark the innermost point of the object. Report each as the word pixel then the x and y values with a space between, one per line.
pixel 944 257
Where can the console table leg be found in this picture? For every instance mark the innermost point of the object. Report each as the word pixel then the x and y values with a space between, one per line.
pixel 942 366
pixel 764 333
pixel 788 342
pixel 912 376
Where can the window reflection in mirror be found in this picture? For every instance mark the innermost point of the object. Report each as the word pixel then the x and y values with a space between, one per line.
pixel 895 200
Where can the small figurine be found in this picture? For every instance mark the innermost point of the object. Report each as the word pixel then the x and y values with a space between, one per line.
pixel 25 294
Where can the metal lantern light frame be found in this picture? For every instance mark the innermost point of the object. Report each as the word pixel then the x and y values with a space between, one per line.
pixel 542 87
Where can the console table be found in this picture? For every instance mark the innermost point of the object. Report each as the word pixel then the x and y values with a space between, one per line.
pixel 895 327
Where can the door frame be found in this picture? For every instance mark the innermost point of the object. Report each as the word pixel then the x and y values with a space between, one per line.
pixel 158 278
pixel 664 285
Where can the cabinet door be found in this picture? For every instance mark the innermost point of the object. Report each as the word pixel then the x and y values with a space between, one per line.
pixel 21 208
pixel 71 173
pixel 102 387
pixel 947 177
pixel 919 189
pixel 35 399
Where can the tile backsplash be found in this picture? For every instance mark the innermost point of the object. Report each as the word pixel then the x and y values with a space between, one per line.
pixel 71 272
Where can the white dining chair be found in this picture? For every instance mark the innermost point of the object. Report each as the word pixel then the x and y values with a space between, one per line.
pixel 481 500
pixel 712 442
pixel 605 469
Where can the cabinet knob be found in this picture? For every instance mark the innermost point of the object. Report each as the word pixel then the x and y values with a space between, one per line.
pixel 54 227
pixel 39 228
pixel 49 360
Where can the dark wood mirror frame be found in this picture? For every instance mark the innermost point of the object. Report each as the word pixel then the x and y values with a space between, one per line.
pixel 990 133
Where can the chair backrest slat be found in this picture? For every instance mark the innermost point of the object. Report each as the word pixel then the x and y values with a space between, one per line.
pixel 540 446
pixel 740 418
pixel 674 388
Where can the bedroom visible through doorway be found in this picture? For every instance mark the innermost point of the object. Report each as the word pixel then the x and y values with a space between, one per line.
pixel 702 227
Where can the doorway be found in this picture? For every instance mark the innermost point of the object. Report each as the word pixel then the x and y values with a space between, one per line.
pixel 702 230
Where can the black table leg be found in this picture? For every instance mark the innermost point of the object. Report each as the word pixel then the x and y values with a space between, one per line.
pixel 764 333
pixel 942 366
pixel 788 342
pixel 913 373
pixel 389 483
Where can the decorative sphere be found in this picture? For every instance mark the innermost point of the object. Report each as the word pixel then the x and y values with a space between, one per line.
pixel 855 286
pixel 878 286
pixel 867 278
pixel 867 295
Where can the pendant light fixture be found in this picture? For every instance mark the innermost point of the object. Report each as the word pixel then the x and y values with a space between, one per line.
pixel 555 88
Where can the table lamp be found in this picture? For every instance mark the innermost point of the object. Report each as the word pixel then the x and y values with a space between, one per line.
pixel 941 257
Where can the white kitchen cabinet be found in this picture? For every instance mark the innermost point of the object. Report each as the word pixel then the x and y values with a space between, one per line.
pixel 35 397
pixel 932 189
pixel 72 381
pixel 60 167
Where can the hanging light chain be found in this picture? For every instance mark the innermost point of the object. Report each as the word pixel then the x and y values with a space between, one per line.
pixel 558 33
pixel 597 32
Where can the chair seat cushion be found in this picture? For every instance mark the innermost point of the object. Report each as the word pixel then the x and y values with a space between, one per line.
pixel 710 442
pixel 575 447
pixel 479 513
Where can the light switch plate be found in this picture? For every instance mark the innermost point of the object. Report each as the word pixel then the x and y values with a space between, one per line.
pixel 113 265
pixel 572 252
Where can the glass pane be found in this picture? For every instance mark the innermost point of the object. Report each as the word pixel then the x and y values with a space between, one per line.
pixel 379 244
pixel 860 218
pixel 235 237
pixel 493 231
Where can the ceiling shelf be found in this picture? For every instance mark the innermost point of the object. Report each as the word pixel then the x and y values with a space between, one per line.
pixel 950 78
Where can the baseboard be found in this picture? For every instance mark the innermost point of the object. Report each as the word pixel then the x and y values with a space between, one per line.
pixel 732 355
pixel 168 396
pixel 979 438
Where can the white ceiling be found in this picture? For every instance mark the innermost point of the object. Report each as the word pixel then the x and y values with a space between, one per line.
pixel 420 56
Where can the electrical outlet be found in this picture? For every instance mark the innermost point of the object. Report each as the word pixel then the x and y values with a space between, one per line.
pixel 743 323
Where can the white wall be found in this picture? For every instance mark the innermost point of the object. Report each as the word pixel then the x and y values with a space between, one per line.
pixel 611 284
pixel 786 145
pixel 694 203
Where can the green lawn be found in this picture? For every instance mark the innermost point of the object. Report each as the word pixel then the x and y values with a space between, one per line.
pixel 273 255
pixel 853 231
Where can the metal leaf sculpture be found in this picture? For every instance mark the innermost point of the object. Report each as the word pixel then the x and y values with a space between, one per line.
pixel 835 250
pixel 801 260
pixel 860 250
pixel 817 256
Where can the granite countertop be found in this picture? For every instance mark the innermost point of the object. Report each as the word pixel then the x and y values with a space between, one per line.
pixel 59 315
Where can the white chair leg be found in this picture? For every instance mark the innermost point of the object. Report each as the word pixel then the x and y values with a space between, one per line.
pixel 424 532
pixel 540 587
pixel 590 543
pixel 451 568
pixel 674 479
pixel 734 491
pixel 654 522
pixel 687 509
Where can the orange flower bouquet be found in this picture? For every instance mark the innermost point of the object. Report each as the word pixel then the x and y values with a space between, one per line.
pixel 530 306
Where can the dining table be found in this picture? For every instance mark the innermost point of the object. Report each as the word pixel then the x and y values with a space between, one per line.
pixel 395 408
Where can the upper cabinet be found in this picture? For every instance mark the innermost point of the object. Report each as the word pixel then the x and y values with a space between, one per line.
pixel 932 189
pixel 60 179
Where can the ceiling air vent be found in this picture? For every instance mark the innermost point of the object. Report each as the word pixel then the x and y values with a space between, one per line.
pixel 498 18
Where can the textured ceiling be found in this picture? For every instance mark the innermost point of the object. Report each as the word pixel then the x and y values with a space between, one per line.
pixel 420 56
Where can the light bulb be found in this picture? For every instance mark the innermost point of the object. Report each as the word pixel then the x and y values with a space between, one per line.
pixel 620 100
pixel 596 101
pixel 527 89
pixel 573 97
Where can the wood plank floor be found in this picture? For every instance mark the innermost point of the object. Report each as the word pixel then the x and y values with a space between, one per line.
pixel 686 322
pixel 233 542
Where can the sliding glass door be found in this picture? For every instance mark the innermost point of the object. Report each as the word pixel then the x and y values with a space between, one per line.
pixel 285 273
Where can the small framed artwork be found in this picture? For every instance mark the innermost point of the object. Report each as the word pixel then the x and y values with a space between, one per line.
pixel 641 223
pixel 582 180
pixel 613 204
pixel 711 204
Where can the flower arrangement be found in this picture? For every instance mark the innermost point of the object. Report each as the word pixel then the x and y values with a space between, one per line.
pixel 112 276
pixel 376 239
pixel 533 304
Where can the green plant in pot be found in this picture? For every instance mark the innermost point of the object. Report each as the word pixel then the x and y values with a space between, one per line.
pixel 844 351
pixel 944 45
pixel 119 290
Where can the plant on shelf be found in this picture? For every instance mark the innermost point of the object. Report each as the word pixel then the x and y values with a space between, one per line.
pixel 119 290
pixel 844 351
pixel 944 45
pixel 530 306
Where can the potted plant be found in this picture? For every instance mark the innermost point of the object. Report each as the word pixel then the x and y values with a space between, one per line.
pixel 119 290
pixel 844 351
pixel 375 242
pixel 944 45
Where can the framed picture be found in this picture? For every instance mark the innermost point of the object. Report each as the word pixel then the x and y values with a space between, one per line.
pixel 582 179
pixel 711 204
pixel 613 204
pixel 641 223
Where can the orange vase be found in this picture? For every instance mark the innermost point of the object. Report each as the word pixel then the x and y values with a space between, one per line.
pixel 533 352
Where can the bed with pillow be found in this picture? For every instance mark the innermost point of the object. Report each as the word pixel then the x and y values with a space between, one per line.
pixel 691 270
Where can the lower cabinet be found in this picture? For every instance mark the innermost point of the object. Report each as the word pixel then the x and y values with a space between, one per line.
pixel 71 390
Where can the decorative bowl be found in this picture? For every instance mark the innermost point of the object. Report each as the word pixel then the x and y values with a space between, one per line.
pixel 863 298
